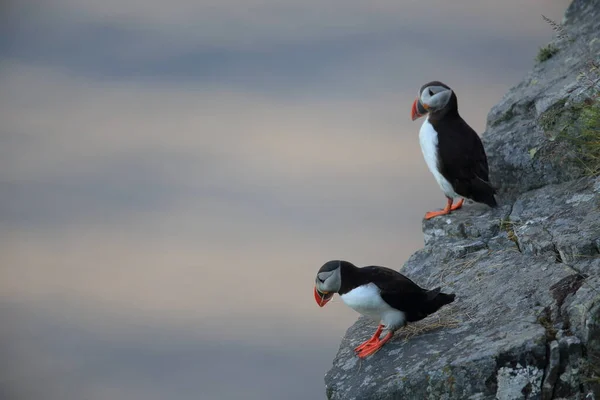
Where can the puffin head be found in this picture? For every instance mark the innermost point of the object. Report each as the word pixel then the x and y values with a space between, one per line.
pixel 328 281
pixel 433 97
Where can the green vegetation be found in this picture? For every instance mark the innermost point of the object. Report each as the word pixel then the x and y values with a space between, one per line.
pixel 507 116
pixel 573 128
pixel 573 133
pixel 546 53
pixel 588 139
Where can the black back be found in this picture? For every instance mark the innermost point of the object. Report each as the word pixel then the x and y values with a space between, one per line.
pixel 395 289
pixel 461 156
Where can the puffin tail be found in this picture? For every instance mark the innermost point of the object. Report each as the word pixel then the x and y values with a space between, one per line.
pixel 483 192
pixel 490 200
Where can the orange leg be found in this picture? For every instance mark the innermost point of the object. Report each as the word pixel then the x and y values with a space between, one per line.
pixel 457 205
pixel 374 347
pixel 449 207
pixel 373 339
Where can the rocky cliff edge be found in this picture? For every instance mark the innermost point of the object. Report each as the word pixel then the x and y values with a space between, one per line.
pixel 526 321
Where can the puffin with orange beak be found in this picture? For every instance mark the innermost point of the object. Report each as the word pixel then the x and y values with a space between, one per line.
pixel 380 293
pixel 452 149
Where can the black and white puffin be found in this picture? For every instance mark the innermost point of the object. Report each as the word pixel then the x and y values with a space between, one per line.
pixel 452 149
pixel 380 293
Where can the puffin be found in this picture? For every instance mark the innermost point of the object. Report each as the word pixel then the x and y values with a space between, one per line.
pixel 452 149
pixel 380 293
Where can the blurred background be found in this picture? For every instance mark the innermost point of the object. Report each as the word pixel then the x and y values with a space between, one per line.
pixel 173 174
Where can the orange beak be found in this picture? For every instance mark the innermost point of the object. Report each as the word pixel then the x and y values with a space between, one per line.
pixel 322 298
pixel 417 110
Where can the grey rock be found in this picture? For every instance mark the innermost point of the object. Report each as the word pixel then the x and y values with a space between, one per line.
pixel 552 370
pixel 568 227
pixel 590 396
pixel 514 383
pixel 513 127
pixel 571 355
pixel 480 221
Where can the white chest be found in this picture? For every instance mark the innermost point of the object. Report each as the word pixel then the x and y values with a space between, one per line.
pixel 428 138
pixel 367 301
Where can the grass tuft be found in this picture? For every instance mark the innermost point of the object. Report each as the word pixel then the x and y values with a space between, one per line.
pixel 448 317
pixel 560 30
pixel 508 226
pixel 546 53
pixel 427 325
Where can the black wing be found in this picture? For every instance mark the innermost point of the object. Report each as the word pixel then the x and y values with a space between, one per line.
pixel 463 162
pixel 403 294
pixel 398 291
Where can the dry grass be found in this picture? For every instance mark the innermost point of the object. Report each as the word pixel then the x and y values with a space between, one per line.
pixel 561 33
pixel 468 263
pixel 426 325
pixel 591 72
pixel 447 317
pixel 462 264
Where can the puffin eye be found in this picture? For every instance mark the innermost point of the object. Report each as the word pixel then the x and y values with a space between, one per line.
pixel 430 91
pixel 320 280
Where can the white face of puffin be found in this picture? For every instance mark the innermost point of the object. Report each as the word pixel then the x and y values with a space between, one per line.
pixel 435 97
pixel 326 284
pixel 431 98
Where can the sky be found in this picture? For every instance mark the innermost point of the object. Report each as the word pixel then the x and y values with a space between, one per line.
pixel 173 174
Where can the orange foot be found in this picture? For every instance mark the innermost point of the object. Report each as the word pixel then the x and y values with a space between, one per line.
pixel 457 205
pixel 374 346
pixel 449 207
pixel 373 339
